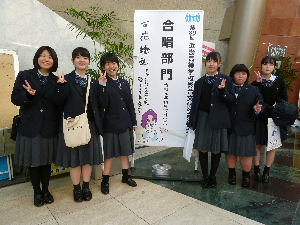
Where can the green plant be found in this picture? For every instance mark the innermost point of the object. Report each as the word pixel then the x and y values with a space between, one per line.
pixel 100 27
pixel 288 71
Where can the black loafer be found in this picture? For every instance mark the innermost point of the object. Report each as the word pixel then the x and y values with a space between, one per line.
pixel 38 200
pixel 246 182
pixel 257 177
pixel 87 195
pixel 104 188
pixel 232 180
pixel 78 197
pixel 48 198
pixel 265 178
pixel 205 182
pixel 129 181
pixel 212 182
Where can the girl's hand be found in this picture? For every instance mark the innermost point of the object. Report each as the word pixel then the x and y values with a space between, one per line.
pixel 257 107
pixel 29 88
pixel 61 79
pixel 258 77
pixel 222 85
pixel 102 79
pixel 134 128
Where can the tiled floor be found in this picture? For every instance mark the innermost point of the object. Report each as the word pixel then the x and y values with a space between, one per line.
pixel 168 202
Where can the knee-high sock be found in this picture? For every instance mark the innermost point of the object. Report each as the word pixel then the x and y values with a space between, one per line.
pixel 203 158
pixel 35 178
pixel 215 160
pixel 45 177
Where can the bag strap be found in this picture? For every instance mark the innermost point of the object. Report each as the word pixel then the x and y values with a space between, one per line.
pixel 40 97
pixel 113 84
pixel 87 92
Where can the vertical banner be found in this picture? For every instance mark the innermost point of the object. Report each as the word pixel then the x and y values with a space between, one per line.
pixel 168 59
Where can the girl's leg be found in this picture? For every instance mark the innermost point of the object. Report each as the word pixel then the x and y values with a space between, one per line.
pixel 86 173
pixel 35 178
pixel 45 177
pixel 215 160
pixel 125 165
pixel 246 163
pixel 86 176
pixel 75 176
pixel 231 163
pixel 203 158
pixel 256 160
pixel 270 155
pixel 105 175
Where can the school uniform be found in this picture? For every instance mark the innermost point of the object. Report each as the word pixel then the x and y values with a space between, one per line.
pixel 37 132
pixel 241 139
pixel 209 114
pixel 71 98
pixel 270 90
pixel 119 120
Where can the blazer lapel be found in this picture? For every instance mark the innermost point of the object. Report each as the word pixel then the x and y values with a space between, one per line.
pixel 244 89
pixel 36 81
pixel 77 86
pixel 217 81
pixel 91 92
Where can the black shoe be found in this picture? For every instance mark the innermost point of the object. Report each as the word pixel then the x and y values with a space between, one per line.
pixel 48 198
pixel 38 200
pixel 265 178
pixel 104 188
pixel 212 182
pixel 232 180
pixel 246 182
pixel 129 181
pixel 87 195
pixel 78 197
pixel 257 177
pixel 205 182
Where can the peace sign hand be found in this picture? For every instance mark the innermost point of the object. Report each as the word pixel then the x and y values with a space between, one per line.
pixel 61 79
pixel 257 107
pixel 29 89
pixel 102 79
pixel 258 77
pixel 222 85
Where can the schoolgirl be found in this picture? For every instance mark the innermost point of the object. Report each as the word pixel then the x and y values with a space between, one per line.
pixel 271 87
pixel 241 139
pixel 209 116
pixel 37 132
pixel 119 121
pixel 71 97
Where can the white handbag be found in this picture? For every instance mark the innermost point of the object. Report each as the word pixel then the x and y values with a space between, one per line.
pixel 274 140
pixel 188 145
pixel 76 130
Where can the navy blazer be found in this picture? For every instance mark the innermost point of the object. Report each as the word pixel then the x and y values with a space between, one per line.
pixel 42 117
pixel 242 112
pixel 218 115
pixel 117 118
pixel 72 100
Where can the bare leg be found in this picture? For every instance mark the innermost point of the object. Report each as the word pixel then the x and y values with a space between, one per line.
pixel 231 161
pixel 124 162
pixel 257 158
pixel 75 175
pixel 86 173
pixel 270 157
pixel 246 163
pixel 107 166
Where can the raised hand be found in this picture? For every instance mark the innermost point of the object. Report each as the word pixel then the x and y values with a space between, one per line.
pixel 222 85
pixel 29 89
pixel 102 79
pixel 61 79
pixel 257 107
pixel 258 77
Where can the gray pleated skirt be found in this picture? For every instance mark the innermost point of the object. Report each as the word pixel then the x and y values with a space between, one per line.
pixel 243 146
pixel 116 145
pixel 207 138
pixel 37 151
pixel 261 132
pixel 90 153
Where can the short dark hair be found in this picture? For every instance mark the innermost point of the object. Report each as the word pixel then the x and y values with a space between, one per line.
pixel 51 52
pixel 108 57
pixel 214 56
pixel 81 51
pixel 268 59
pixel 239 68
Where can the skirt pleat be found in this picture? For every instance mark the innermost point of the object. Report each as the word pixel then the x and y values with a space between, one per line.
pixel 243 146
pixel 261 132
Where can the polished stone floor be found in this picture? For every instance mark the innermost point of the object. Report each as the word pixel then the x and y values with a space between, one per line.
pixel 276 202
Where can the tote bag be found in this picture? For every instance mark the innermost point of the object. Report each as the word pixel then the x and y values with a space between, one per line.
pixel 274 140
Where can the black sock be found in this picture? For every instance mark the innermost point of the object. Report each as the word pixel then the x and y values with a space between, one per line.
pixel 256 169
pixel 215 160
pixel 105 179
pixel 266 170
pixel 45 177
pixel 85 185
pixel 125 173
pixel 246 174
pixel 203 158
pixel 77 187
pixel 232 171
pixel 35 178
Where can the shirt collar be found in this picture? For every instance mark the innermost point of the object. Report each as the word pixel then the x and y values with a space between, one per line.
pixel 272 78
pixel 235 85
pixel 85 76
pixel 211 76
pixel 46 75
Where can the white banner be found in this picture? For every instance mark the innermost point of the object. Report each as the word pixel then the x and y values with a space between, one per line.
pixel 168 50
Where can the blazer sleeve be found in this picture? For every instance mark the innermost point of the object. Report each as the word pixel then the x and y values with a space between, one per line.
pixel 60 94
pixel 283 90
pixel 131 106
pixel 228 96
pixel 102 96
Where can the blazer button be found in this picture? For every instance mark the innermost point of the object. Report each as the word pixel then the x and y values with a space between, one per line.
pixel 123 108
pixel 121 98
pixel 211 104
pixel 235 102
pixel 25 101
pixel 41 110
pixel 224 96
pixel 212 93
pixel 234 112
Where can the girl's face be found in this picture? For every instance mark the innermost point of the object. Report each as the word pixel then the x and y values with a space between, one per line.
pixel 45 61
pixel 240 77
pixel 212 66
pixel 150 120
pixel 267 68
pixel 81 62
pixel 111 68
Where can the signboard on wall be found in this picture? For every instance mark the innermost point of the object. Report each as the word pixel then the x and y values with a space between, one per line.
pixel 168 58
pixel 278 53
